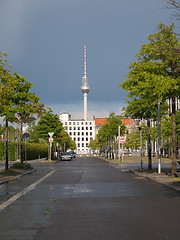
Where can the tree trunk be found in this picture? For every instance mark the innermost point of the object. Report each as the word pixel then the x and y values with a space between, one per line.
pixel 149 145
pixel 174 163
pixel 6 147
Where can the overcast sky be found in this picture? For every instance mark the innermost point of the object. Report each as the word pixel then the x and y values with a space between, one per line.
pixel 44 40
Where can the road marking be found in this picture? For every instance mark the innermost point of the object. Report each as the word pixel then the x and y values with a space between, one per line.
pixel 24 191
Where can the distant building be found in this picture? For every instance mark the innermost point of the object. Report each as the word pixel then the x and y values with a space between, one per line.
pixel 80 131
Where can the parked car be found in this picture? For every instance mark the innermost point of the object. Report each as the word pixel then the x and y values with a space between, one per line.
pixel 66 156
pixel 73 154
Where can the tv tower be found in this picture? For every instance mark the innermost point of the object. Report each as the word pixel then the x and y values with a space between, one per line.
pixel 85 87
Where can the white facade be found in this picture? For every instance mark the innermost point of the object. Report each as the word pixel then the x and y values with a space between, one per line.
pixel 80 131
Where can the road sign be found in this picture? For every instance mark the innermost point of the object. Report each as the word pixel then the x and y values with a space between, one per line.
pixel 50 134
pixel 50 139
pixel 25 136
pixel 122 140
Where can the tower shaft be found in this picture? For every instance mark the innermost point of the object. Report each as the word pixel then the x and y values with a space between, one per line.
pixel 85 87
pixel 85 106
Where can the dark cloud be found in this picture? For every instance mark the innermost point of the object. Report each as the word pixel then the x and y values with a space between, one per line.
pixel 44 40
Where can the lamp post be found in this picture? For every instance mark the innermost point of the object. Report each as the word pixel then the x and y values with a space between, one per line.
pixel 159 138
pixel 140 130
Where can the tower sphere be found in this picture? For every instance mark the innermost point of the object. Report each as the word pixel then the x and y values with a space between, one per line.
pixel 85 87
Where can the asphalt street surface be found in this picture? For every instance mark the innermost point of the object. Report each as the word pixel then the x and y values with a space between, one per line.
pixel 88 199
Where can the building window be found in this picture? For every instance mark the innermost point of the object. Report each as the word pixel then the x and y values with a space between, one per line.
pixel 65 123
pixel 78 139
pixel 82 144
pixel 86 133
pixel 74 123
pixel 86 139
pixel 66 128
pixel 90 128
pixel 74 128
pixel 78 145
pixel 82 128
pixel 70 133
pixel 70 128
pixel 82 139
pixel 86 144
pixel 90 133
pixel 74 139
pixel 78 133
pixel 74 134
pixel 90 123
pixel 78 128
pixel 77 123
pixel 82 133
pixel 86 128
pixel 82 123
pixel 86 123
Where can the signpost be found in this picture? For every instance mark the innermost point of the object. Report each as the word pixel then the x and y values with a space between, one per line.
pixel 50 142
pixel 122 140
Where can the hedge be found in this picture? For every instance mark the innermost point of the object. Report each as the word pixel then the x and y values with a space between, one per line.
pixel 11 151
pixel 34 151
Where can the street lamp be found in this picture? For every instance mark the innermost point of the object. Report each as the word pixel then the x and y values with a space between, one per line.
pixel 159 138
pixel 140 130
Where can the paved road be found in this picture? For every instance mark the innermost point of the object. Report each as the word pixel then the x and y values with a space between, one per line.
pixel 88 199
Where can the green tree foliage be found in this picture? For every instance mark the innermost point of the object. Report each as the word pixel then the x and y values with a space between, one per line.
pixel 15 98
pixel 49 122
pixel 133 139
pixel 94 144
pixel 155 75
pixel 110 129
pixel 65 141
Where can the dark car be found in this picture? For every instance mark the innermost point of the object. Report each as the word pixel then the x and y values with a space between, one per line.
pixel 66 156
pixel 73 154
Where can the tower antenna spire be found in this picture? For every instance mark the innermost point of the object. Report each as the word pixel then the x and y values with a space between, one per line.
pixel 84 60
pixel 85 87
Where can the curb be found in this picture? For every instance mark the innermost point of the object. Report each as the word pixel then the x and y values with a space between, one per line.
pixel 156 180
pixel 17 177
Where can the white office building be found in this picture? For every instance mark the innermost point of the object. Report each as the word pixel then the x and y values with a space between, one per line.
pixel 81 131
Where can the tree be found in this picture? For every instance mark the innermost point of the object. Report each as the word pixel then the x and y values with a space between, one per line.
pixel 155 75
pixel 65 141
pixel 133 139
pixel 110 129
pixel 15 98
pixel 143 97
pixel 49 122
pixel 25 104
pixel 94 144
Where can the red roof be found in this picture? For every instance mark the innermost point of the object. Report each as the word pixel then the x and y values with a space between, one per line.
pixel 102 121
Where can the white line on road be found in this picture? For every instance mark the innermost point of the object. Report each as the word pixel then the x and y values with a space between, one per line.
pixel 24 191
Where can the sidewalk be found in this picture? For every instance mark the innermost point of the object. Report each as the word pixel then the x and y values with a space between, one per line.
pixel 162 178
pixel 22 172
